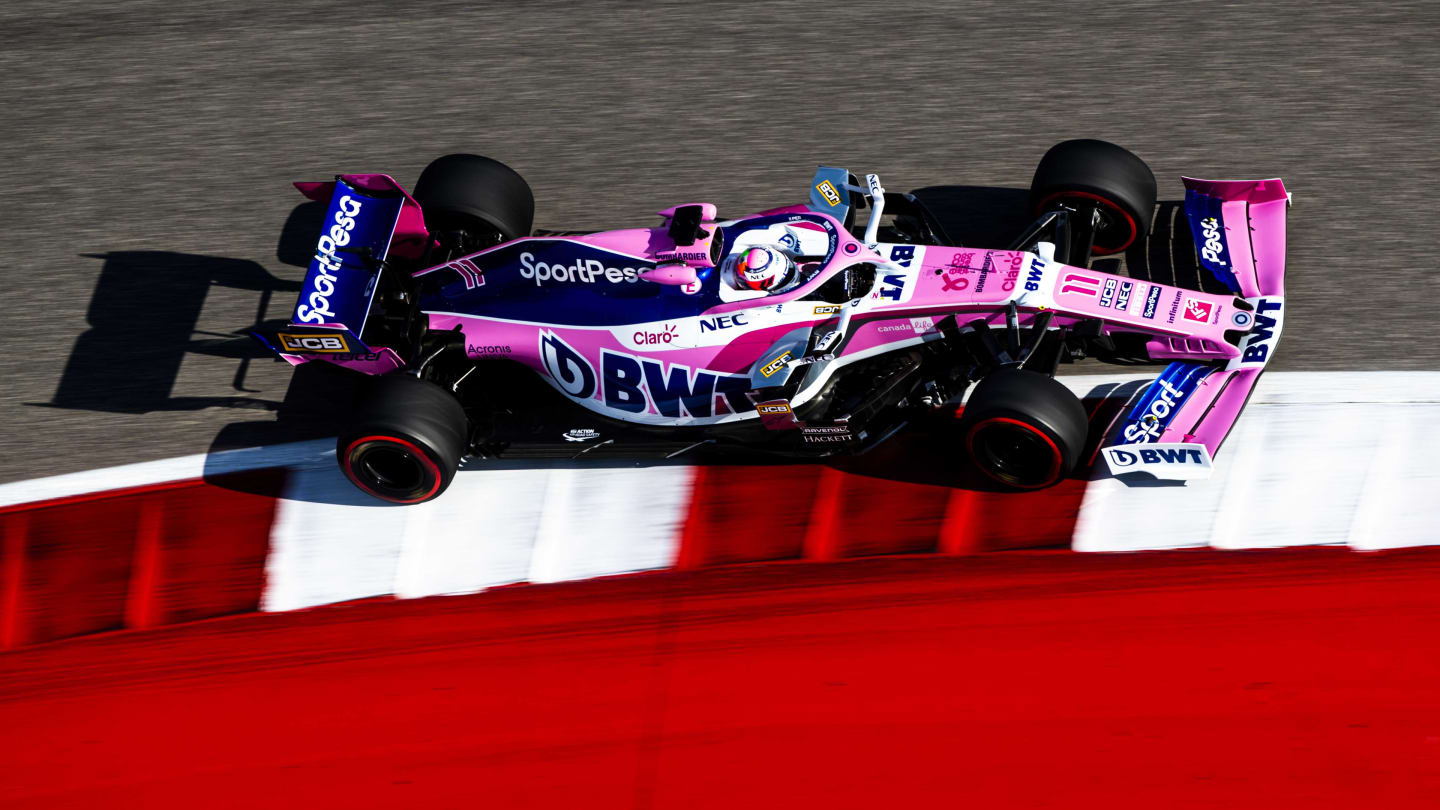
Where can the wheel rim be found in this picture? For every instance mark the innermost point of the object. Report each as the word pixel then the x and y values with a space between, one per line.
pixel 392 469
pixel 1120 231
pixel 1014 453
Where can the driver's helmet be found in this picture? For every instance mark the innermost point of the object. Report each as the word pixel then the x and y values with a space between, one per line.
pixel 763 268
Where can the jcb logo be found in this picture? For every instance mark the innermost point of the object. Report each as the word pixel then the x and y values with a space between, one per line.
pixel 775 365
pixel 827 190
pixel 312 343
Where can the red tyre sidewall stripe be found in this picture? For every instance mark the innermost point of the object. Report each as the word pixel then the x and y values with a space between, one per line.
pixel 421 454
pixel 1054 474
pixel 1129 220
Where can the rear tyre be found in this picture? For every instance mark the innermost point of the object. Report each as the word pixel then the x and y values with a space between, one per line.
pixel 1089 171
pixel 405 440
pixel 1024 429
pixel 477 195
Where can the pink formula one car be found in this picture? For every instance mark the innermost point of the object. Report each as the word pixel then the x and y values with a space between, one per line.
pixel 794 330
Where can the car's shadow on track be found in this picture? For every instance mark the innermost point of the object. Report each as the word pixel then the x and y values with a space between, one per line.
pixel 144 318
pixel 921 454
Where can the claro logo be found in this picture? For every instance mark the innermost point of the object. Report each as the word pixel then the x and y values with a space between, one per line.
pixel 645 338
pixel 583 271
pixel 317 306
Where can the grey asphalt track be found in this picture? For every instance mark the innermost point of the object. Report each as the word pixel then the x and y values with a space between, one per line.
pixel 148 148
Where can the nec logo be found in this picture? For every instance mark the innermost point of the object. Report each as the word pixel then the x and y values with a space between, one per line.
pixel 723 322
pixel 312 343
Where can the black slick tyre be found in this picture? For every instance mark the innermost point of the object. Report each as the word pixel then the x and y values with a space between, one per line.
pixel 470 192
pixel 1090 171
pixel 1024 429
pixel 405 440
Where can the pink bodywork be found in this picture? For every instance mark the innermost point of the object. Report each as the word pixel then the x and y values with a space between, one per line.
pixel 1259 258
pixel 938 282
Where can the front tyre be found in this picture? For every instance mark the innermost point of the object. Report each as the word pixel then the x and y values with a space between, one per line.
pixel 1111 178
pixel 405 440
pixel 1023 429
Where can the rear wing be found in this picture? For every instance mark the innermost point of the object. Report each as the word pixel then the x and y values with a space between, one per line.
pixel 369 217
pixel 1176 427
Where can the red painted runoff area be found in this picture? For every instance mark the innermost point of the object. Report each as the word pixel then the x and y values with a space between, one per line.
pixel 134 558
pixel 1292 678
pixel 757 514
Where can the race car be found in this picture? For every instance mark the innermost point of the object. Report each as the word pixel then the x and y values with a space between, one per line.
pixel 795 331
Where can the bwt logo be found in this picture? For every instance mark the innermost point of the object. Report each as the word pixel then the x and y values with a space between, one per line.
pixel 894 283
pixel 1262 337
pixel 567 367
pixel 1035 274
pixel 1213 250
pixel 1156 455
pixel 638 384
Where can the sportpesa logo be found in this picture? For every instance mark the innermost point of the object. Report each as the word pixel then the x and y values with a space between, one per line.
pixel 317 309
pixel 582 271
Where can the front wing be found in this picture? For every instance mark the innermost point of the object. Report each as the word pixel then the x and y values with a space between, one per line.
pixel 1179 422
